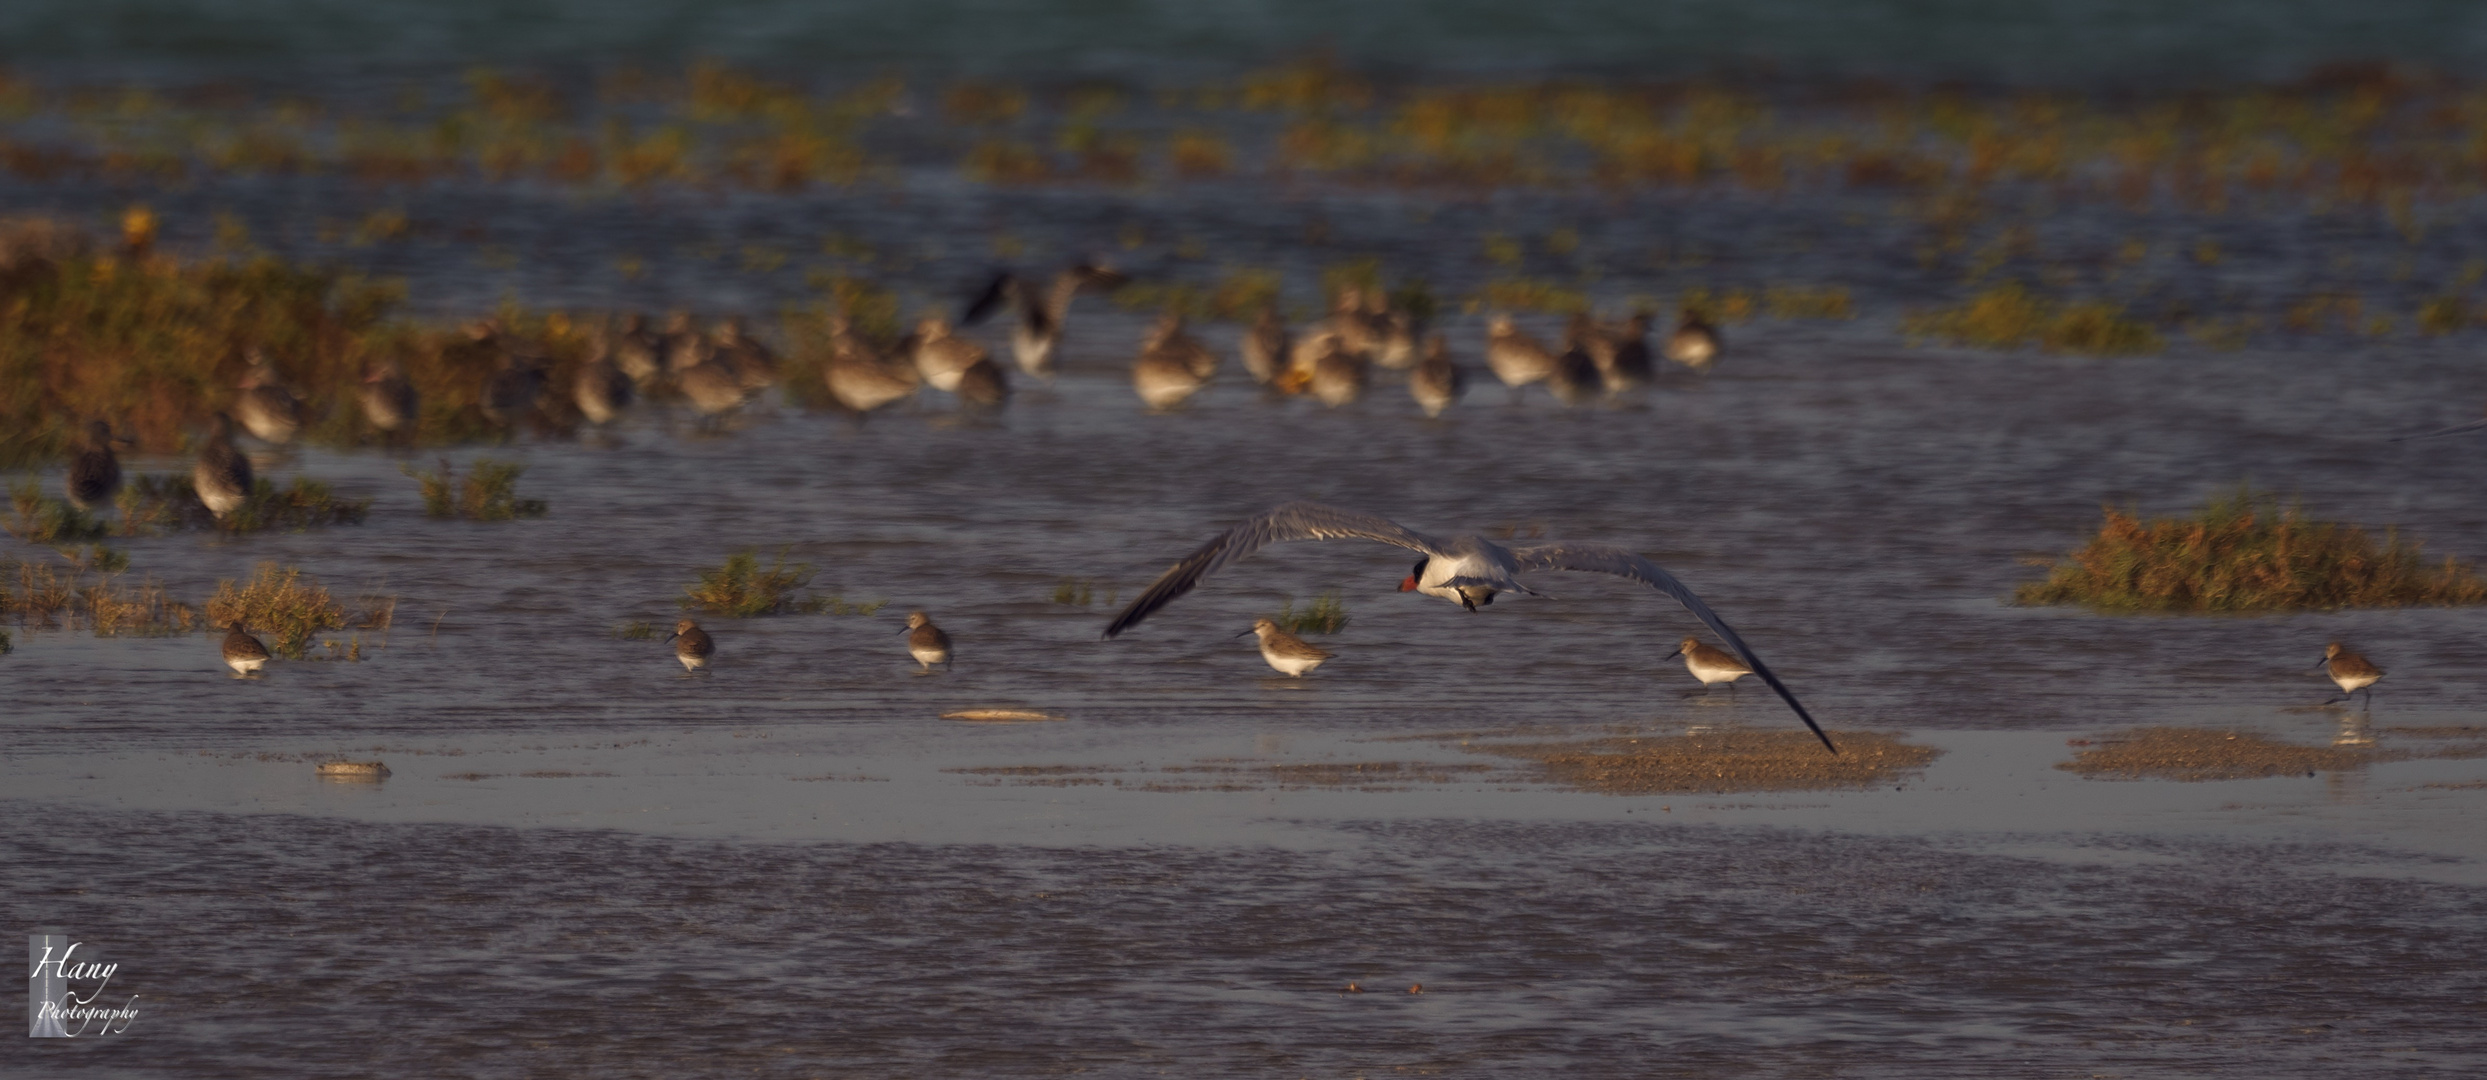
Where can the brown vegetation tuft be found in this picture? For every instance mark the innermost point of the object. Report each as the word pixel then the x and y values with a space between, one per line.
pixel 2246 552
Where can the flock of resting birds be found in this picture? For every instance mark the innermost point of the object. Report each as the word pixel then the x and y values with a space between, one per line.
pixel 719 371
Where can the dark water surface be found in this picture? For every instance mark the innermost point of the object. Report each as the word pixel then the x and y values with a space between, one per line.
pixel 587 863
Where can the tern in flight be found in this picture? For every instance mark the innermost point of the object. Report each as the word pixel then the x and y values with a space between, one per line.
pixel 1467 570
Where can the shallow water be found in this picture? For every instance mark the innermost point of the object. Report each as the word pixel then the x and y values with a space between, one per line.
pixel 586 861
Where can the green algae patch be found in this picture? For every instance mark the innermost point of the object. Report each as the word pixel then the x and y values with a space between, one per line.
pixel 2246 552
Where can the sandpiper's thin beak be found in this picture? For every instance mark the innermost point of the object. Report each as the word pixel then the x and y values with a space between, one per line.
pixel 1250 632
pixel 1408 583
pixel 671 636
pixel 1679 651
pixel 2323 661
pixel 904 629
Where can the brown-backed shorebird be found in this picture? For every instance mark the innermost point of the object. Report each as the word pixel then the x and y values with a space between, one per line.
pixel 2350 672
pixel 1437 382
pixel 267 408
pixel 983 386
pixel 1037 339
pixel 1624 361
pixel 926 642
pixel 601 389
pixel 1290 654
pixel 1516 358
pixel 1468 570
pixel 1709 665
pixel 1172 365
pixel 1695 343
pixel 1264 346
pixel 389 401
pixel 243 653
pixel 692 645
pixel 222 475
pixel 638 351
pixel 858 374
pixel 1338 376
pixel 941 355
pixel 95 473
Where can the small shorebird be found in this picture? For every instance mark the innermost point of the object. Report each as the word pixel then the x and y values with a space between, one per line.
pixel 750 361
pixel 222 475
pixel 1709 665
pixel 1172 365
pixel 1304 355
pixel 692 645
pixel 941 355
pixel 1396 349
pixel 1695 343
pixel 1575 375
pixel 243 653
pixel 268 410
pixel 716 385
pixel 389 401
pixel 859 375
pixel 95 474
pixel 601 390
pixel 2350 672
pixel 1290 654
pixel 1517 359
pixel 1467 570
pixel 926 642
pixel 1624 361
pixel 1264 346
pixel 1338 376
pixel 1038 337
pixel 1359 327
pixel 682 346
pixel 1437 382
pixel 638 351
pixel 983 386
pixel 509 395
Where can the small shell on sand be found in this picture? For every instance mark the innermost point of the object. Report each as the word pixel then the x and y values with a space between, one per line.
pixel 354 770
pixel 999 716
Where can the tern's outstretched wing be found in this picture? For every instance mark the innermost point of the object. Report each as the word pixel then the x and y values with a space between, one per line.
pixel 986 302
pixel 1292 521
pixel 2456 429
pixel 1609 559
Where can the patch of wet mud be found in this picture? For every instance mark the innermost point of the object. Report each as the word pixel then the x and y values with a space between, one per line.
pixel 2171 753
pixel 1240 775
pixel 1719 762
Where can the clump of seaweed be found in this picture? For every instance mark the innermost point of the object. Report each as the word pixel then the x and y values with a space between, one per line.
pixel 2246 552
pixel 742 587
pixel 834 604
pixel 38 519
pixel 279 603
pixel 1327 614
pixel 1082 592
pixel 5 646
pixel 2011 317
pixel 89 588
pixel 635 630
pixel 489 492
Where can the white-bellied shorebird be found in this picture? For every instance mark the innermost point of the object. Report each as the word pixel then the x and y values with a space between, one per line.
pixel 1709 665
pixel 858 374
pixel 941 355
pixel 390 403
pixel 1358 326
pixel 638 351
pixel 1468 570
pixel 1290 654
pixel 983 386
pixel 2350 672
pixel 1338 376
pixel 1037 339
pixel 1516 358
pixel 1437 382
pixel 926 642
pixel 1575 375
pixel 682 346
pixel 1624 362
pixel 242 652
pixel 692 645
pixel 267 408
pixel 1264 346
pixel 1172 365
pixel 95 473
pixel 222 475
pixel 747 357
pixel 1695 343
pixel 601 390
